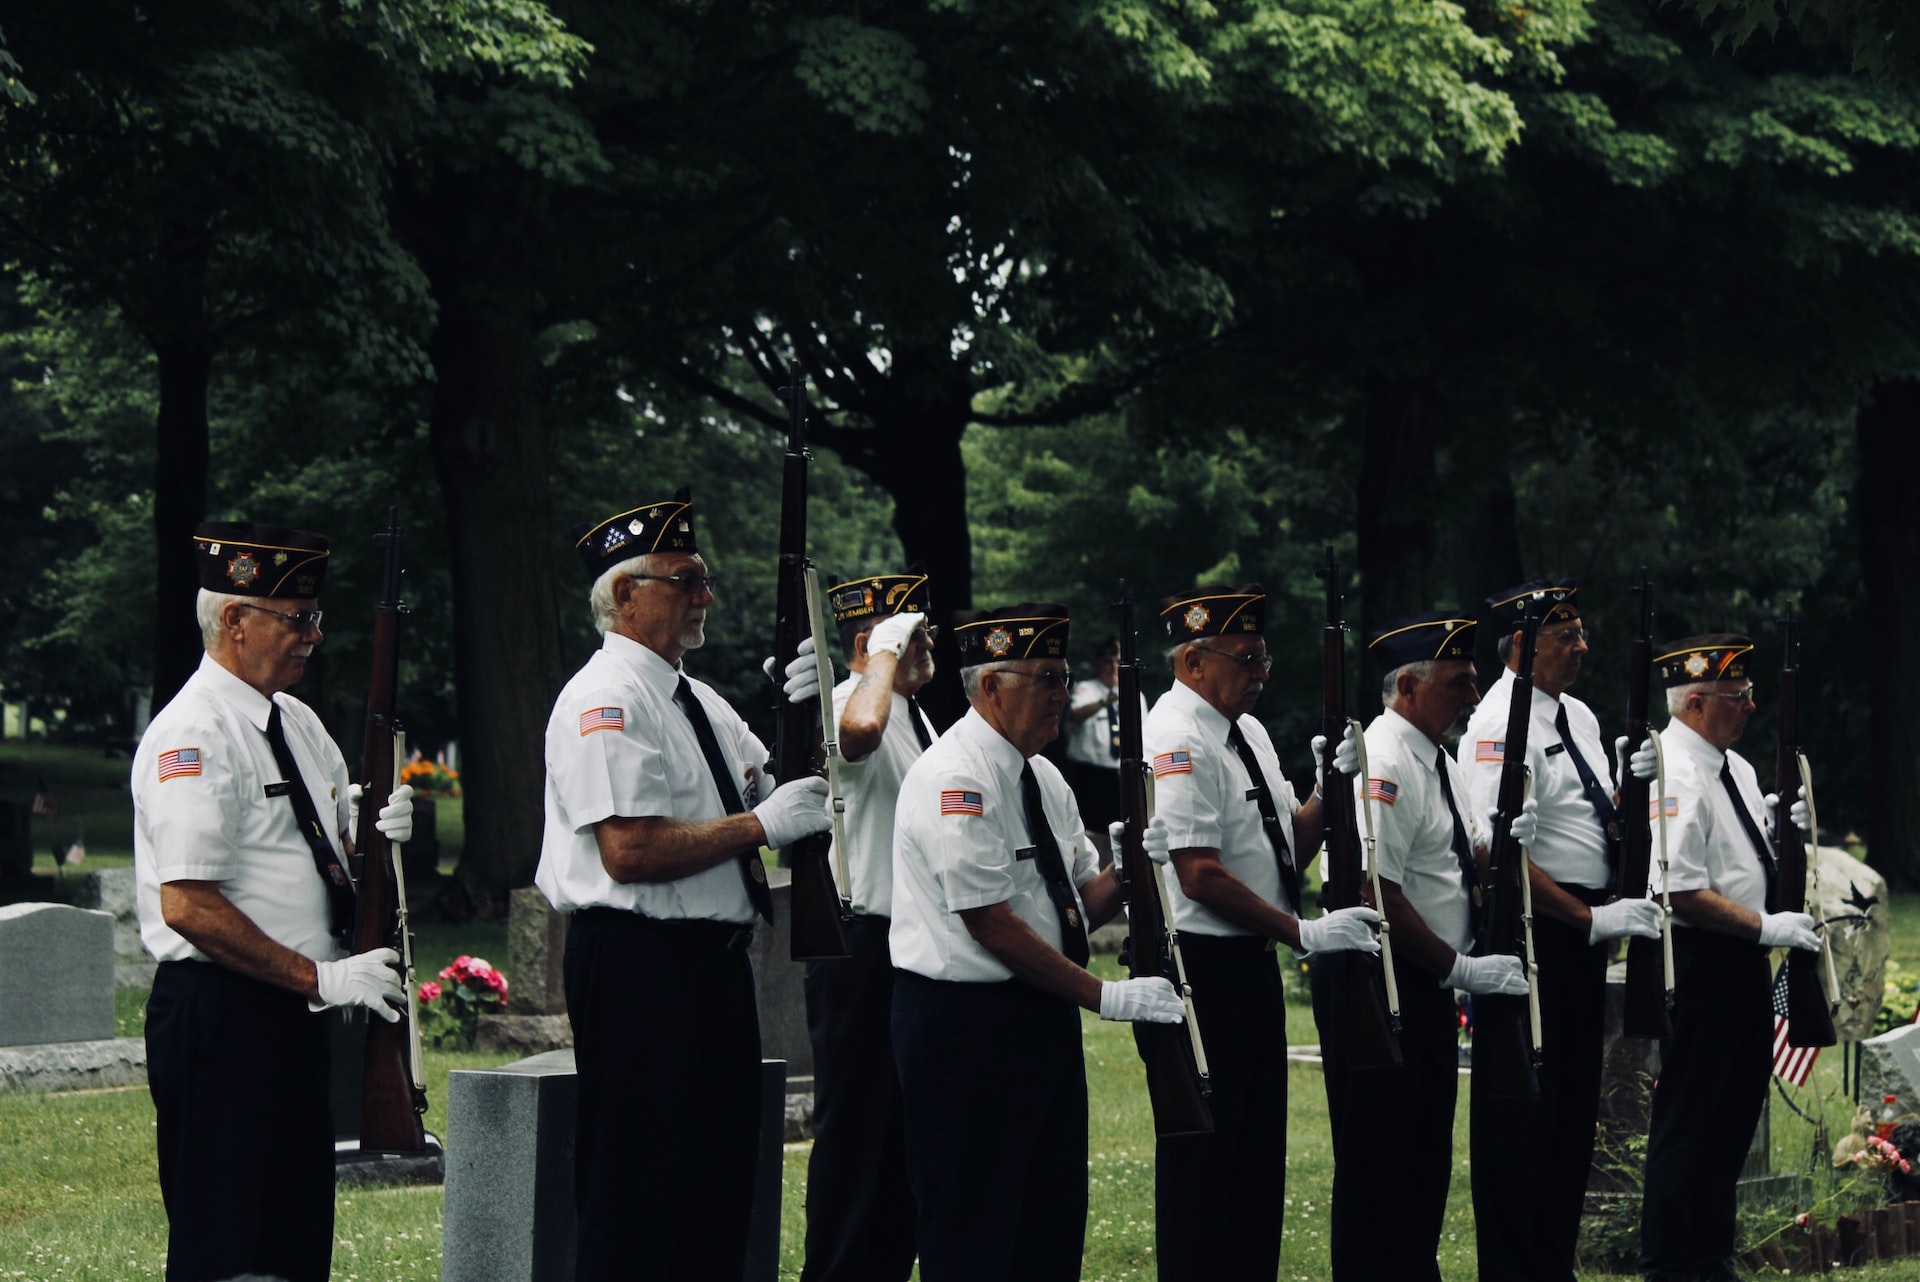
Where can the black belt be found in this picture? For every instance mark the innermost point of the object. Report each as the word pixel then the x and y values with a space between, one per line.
pixel 1591 896
pixel 869 922
pixel 733 936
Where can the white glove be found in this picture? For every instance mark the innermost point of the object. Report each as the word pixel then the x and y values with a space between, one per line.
pixel 396 817
pixel 893 634
pixel 1147 1001
pixel 802 675
pixel 1642 762
pixel 1344 930
pixel 1526 824
pixel 795 810
pixel 1788 930
pixel 365 979
pixel 1153 837
pixel 1496 975
pixel 1346 757
pixel 1624 917
pixel 1802 818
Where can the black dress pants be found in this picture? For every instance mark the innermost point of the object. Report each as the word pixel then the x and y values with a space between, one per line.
pixel 995 1092
pixel 1531 1158
pixel 666 1042
pixel 1392 1130
pixel 859 1204
pixel 1706 1103
pixel 1216 1213
pixel 238 1073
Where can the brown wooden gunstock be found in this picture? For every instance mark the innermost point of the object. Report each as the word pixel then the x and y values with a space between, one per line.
pixel 1809 1015
pixel 818 926
pixel 1649 1004
pixel 391 1101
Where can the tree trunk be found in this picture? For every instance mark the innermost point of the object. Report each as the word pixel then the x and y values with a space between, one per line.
pixel 490 454
pixel 184 352
pixel 1889 549
pixel 1397 487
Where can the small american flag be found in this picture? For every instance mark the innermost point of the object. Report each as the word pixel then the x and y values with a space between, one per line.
pixel 1383 790
pixel 1673 808
pixel 1793 1063
pixel 1489 750
pixel 957 801
pixel 175 762
pixel 603 719
pixel 1173 763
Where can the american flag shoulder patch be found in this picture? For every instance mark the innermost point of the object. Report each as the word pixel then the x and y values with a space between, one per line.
pixel 1673 808
pixel 1383 790
pixel 1172 763
pixel 1489 750
pixel 960 801
pixel 176 762
pixel 603 719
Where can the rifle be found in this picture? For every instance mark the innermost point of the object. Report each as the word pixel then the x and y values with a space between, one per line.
pixel 1503 1049
pixel 1372 999
pixel 1649 994
pixel 1810 1006
pixel 829 733
pixel 393 1094
pixel 819 913
pixel 1175 1057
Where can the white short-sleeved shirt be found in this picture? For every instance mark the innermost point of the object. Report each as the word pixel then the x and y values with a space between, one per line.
pixel 871 788
pixel 1091 741
pixel 1413 829
pixel 201 812
pixel 618 745
pixel 1707 846
pixel 960 841
pixel 1570 846
pixel 1203 793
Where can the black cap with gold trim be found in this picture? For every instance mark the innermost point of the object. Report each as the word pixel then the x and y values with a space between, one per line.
pixel 245 559
pixel 1029 630
pixel 861 601
pixel 1213 611
pixel 1436 634
pixel 1552 601
pixel 664 526
pixel 1717 656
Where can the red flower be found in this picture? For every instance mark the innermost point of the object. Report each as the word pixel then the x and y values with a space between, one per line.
pixel 429 991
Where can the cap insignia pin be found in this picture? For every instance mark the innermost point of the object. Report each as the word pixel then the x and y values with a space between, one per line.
pixel 1197 616
pixel 243 569
pixel 999 642
pixel 1696 665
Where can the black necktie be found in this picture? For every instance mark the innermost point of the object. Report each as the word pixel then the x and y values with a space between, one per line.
pixel 1752 829
pixel 918 719
pixel 1462 848
pixel 1113 728
pixel 752 871
pixel 1053 870
pixel 1269 817
pixel 1596 794
pixel 340 894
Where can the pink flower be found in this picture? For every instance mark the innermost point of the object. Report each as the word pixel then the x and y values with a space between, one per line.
pixel 429 991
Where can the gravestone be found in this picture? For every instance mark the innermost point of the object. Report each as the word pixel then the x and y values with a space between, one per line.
pixel 778 987
pixel 56 974
pixel 112 890
pixel 536 1016
pixel 1890 1065
pixel 509 1211
pixel 1851 899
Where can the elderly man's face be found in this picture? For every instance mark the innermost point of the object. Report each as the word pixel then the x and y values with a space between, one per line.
pixel 1027 701
pixel 1229 672
pixel 269 643
pixel 1721 713
pixel 666 611
pixel 1439 705
pixel 1557 655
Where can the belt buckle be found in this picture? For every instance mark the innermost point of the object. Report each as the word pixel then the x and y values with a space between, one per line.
pixel 740 940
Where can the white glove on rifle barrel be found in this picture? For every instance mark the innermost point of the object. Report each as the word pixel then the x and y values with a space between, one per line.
pixel 1346 757
pixel 802 675
pixel 1624 917
pixel 365 979
pixel 1153 837
pixel 1526 824
pixel 1145 1001
pixel 893 634
pixel 395 821
pixel 1495 975
pixel 1788 930
pixel 1349 930
pixel 1642 763
pixel 1798 812
pixel 795 810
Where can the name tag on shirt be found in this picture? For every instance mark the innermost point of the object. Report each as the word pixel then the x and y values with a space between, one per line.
pixel 1558 747
pixel 281 789
pixel 1254 794
pixel 1026 852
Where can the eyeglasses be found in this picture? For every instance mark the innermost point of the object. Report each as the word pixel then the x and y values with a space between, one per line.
pixel 1259 659
pixel 298 620
pixel 1741 696
pixel 1051 679
pixel 688 583
pixel 1566 636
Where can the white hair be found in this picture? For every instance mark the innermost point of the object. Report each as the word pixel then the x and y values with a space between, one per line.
pixel 1172 654
pixel 1420 670
pixel 1677 695
pixel 601 598
pixel 210 608
pixel 970 677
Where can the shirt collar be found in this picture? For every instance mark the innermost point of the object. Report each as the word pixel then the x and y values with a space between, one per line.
pixel 1207 717
pixel 1416 739
pixel 1679 734
pixel 230 689
pixel 990 743
pixel 1500 692
pixel 654 672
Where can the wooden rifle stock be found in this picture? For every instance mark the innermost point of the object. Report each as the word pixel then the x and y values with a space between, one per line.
pixel 1649 1001
pixel 1373 1030
pixel 1173 1054
pixel 818 928
pixel 1809 1013
pixel 1504 1056
pixel 393 1094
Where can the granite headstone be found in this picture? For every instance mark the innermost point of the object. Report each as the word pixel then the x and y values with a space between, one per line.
pixel 56 974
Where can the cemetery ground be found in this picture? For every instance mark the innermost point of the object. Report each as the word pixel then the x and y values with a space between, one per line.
pixel 79 1201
